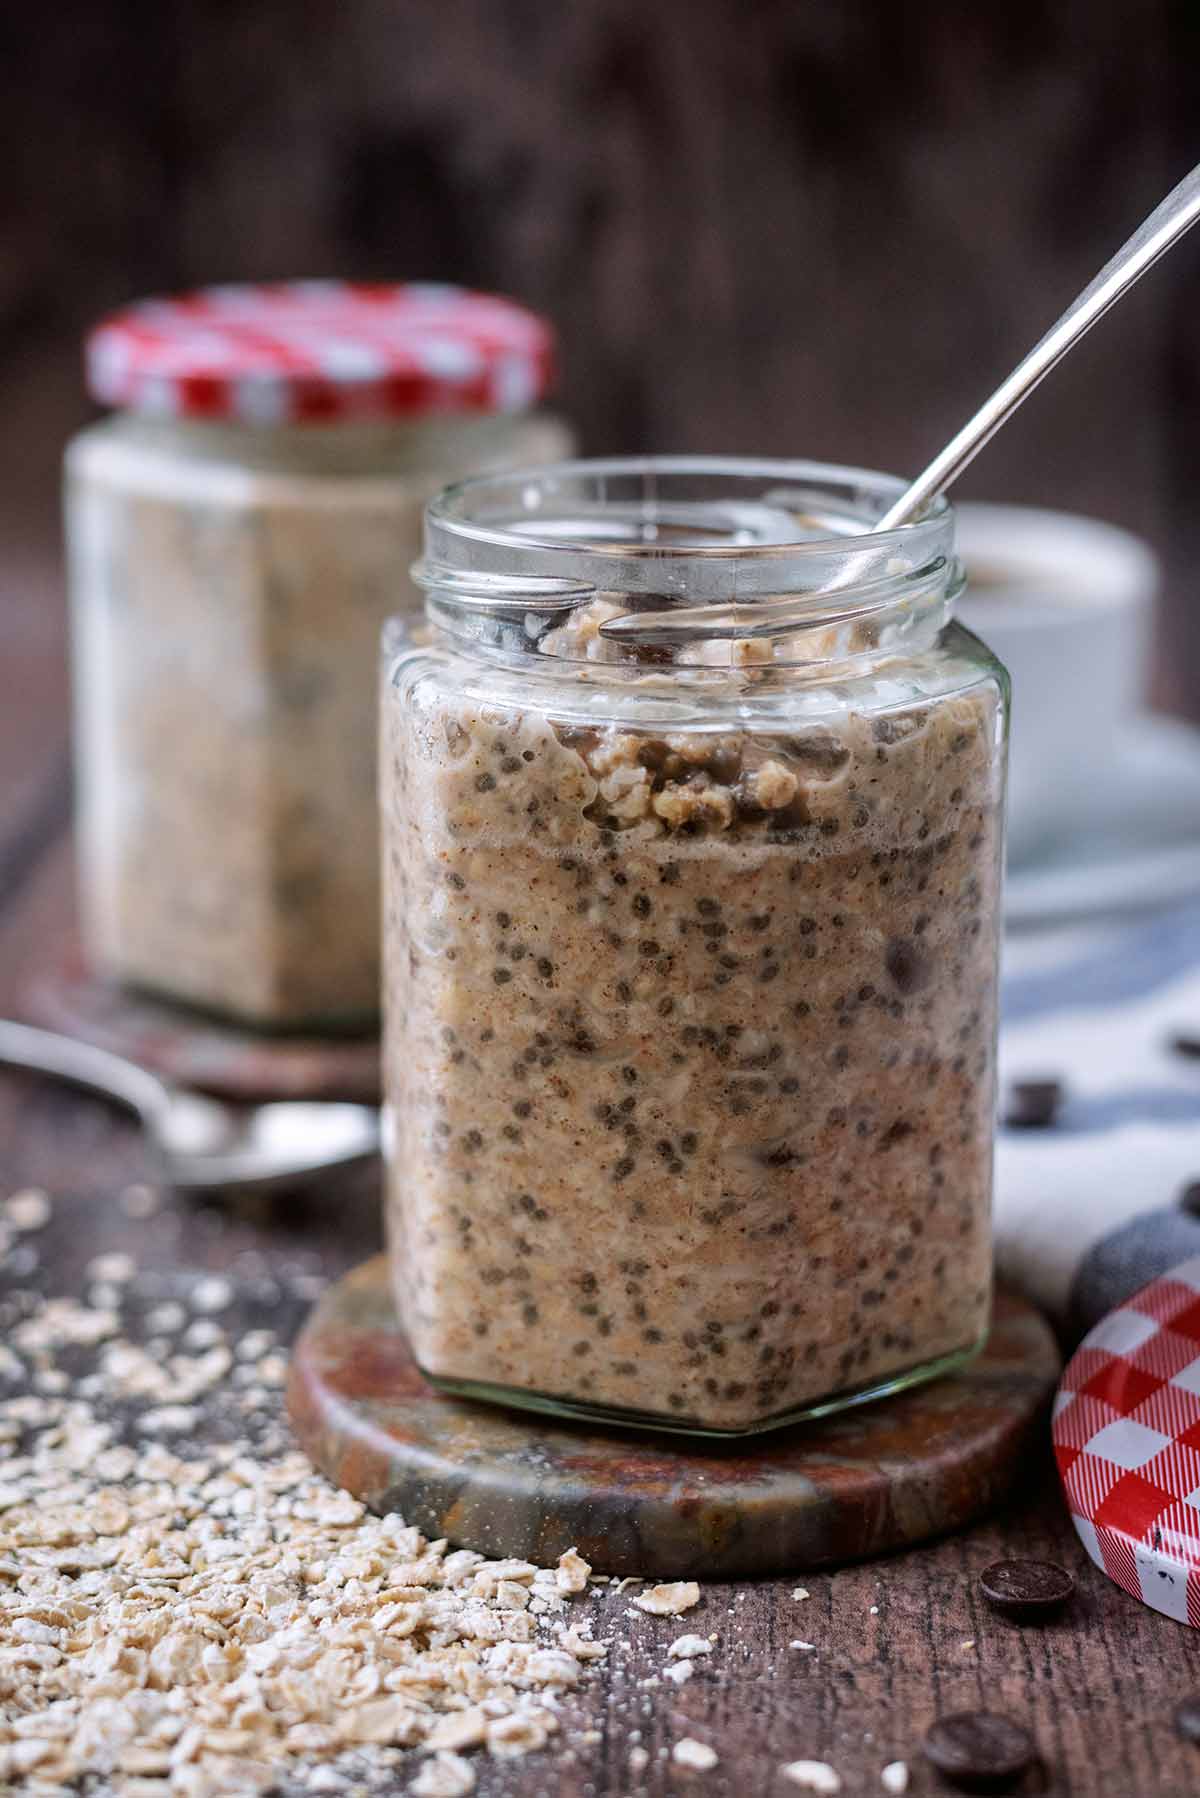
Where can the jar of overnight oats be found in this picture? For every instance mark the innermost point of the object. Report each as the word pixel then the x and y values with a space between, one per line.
pixel 692 819
pixel 236 536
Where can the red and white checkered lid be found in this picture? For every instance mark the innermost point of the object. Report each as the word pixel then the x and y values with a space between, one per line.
pixel 1127 1439
pixel 311 351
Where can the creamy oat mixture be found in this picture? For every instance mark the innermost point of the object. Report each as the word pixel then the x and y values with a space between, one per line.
pixel 690 1047
pixel 226 617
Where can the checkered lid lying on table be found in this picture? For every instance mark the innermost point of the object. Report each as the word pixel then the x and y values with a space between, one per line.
pixel 1127 1438
pixel 292 352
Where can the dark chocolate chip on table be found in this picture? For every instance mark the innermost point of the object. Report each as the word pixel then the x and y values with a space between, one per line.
pixel 1187 1719
pixel 1033 1104
pixel 1026 1589
pixel 1189 1198
pixel 1186 1042
pixel 979 1750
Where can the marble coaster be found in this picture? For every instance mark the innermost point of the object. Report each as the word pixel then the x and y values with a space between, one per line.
pixel 509 1482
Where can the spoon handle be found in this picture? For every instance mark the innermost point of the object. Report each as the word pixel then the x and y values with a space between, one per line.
pixel 21 1046
pixel 1177 213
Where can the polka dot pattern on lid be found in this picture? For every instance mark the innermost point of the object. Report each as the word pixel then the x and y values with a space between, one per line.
pixel 320 351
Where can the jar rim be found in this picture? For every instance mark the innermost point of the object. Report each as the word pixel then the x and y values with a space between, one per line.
pixel 689 547
pixel 866 494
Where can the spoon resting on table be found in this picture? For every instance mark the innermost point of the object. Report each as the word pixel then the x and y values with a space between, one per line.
pixel 200 1145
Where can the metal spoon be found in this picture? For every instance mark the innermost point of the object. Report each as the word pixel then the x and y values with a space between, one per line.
pixel 1168 222
pixel 199 1144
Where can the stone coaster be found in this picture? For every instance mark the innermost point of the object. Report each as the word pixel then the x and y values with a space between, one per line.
pixel 197 1051
pixel 516 1483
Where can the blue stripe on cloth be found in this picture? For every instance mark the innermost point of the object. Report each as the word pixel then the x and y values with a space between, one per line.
pixel 1131 963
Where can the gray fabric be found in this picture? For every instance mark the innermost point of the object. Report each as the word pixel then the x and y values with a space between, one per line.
pixel 1115 1268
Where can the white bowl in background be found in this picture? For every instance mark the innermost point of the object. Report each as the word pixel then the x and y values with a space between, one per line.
pixel 1067 605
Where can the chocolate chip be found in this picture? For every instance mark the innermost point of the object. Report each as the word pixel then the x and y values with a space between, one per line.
pixel 1186 1042
pixel 1187 1719
pixel 1189 1199
pixel 979 1750
pixel 907 964
pixel 1026 1590
pixel 1033 1104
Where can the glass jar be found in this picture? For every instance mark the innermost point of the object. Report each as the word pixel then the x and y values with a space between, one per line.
pixel 236 538
pixel 692 855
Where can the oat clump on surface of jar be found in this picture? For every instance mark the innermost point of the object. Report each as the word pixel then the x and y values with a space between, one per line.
pixel 691 959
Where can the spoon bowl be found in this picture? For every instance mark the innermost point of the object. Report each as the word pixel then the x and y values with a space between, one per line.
pixel 199 1144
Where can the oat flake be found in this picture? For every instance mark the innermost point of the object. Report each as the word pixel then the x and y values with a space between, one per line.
pixel 28 1210
pixel 689 1753
pixel 446 1776
pixel 814 1776
pixel 573 1572
pixel 212 1294
pixel 669 1600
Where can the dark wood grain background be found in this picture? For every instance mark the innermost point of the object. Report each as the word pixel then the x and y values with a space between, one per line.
pixel 762 225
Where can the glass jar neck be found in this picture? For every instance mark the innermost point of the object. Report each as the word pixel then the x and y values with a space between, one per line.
pixel 693 564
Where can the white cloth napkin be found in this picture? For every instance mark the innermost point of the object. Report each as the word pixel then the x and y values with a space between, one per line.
pixel 1093 1201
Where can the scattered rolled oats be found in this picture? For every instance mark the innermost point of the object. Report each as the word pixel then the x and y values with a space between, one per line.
pixel 680 1672
pixel 521 1732
pixel 669 1600
pixel 28 1210
pixel 211 1294
pixel 639 1759
pixel 689 1753
pixel 113 1269
pixel 894 1777
pixel 170 1419
pixel 814 1776
pixel 184 1622
pixel 61 1323
pixel 573 1572
pixel 459 1729
pixel 687 1647
pixel 166 1319
pixel 139 1201
pixel 800 1594
pixel 445 1776
pixel 203 1334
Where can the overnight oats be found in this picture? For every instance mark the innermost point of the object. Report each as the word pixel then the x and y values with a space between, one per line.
pixel 692 851
pixel 237 536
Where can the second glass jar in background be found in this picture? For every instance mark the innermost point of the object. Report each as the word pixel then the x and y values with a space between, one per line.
pixel 692 875
pixel 236 537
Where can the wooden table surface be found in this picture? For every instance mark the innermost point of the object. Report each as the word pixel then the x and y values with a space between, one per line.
pixel 898 1641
